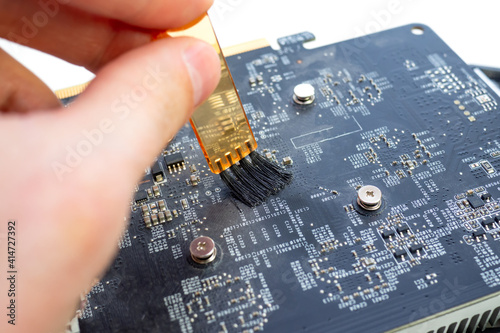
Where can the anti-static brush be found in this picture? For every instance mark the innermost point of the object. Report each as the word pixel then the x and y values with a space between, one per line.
pixel 225 136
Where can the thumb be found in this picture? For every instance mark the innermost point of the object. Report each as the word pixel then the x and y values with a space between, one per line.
pixel 146 96
pixel 89 158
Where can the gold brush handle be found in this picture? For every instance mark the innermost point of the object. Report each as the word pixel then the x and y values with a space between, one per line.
pixel 220 124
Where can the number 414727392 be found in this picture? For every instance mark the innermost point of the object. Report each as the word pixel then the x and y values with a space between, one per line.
pixel 11 239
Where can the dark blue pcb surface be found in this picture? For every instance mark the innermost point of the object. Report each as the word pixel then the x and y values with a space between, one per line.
pixel 395 110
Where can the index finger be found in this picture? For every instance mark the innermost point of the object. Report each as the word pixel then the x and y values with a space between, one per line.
pixel 151 14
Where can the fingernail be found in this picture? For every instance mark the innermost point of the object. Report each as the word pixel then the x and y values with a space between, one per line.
pixel 195 58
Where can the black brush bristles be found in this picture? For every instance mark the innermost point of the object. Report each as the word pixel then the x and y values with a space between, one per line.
pixel 259 178
pixel 253 182
pixel 247 181
pixel 282 177
pixel 237 190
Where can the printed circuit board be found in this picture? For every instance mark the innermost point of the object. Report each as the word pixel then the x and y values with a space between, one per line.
pixel 392 218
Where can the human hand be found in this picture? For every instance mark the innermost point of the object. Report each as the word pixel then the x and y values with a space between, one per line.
pixel 67 175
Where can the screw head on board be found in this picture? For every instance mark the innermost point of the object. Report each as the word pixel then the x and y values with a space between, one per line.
pixel 203 250
pixel 369 197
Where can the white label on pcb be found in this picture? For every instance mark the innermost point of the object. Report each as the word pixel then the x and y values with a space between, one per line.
pixel 266 235
pixel 252 237
pixel 276 230
pixel 240 240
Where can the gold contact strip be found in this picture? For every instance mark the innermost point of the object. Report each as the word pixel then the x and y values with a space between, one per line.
pixel 245 47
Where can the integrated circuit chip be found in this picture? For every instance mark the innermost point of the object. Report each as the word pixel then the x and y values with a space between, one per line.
pixel 387 233
pixel 402 228
pixel 486 197
pixel 416 247
pixel 140 196
pixel 475 201
pixel 478 233
pixel 174 161
pixel 488 223
pixel 400 253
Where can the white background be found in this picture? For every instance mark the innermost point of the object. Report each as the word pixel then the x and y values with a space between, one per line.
pixel 470 28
